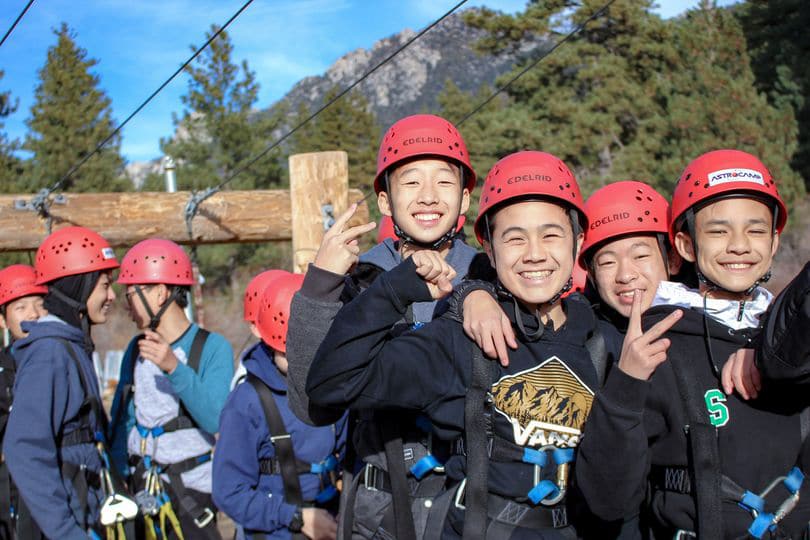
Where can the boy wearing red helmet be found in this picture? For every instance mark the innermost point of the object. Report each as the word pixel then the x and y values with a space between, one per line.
pixel 423 184
pixel 626 250
pixel 54 442
pixel 20 300
pixel 520 424
pixel 274 474
pixel 702 453
pixel 174 381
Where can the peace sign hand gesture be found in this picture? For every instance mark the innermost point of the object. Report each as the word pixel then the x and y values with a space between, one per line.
pixel 643 352
pixel 339 249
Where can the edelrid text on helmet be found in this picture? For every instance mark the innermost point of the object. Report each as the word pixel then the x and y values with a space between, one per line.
pixel 523 175
pixel 422 135
pixel 622 209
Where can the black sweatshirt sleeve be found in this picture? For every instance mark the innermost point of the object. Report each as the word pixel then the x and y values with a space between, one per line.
pixel 783 349
pixel 612 461
pixel 359 364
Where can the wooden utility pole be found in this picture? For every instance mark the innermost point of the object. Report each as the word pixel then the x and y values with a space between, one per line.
pixel 126 218
pixel 319 192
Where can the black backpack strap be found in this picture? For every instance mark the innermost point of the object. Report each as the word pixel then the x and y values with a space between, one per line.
pixel 400 492
pixel 703 455
pixel 477 433
pixel 281 442
pixel 195 354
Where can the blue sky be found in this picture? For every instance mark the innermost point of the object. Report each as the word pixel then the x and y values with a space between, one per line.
pixel 139 43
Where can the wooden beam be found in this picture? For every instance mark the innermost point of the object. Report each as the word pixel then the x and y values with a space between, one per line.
pixel 319 184
pixel 126 218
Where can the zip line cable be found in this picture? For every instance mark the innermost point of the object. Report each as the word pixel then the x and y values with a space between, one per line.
pixel 210 191
pixel 525 70
pixel 17 20
pixel 185 64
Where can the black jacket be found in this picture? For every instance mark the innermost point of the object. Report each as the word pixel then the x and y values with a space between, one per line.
pixel 542 397
pixel 783 351
pixel 635 434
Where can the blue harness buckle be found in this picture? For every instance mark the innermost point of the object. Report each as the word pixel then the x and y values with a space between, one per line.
pixel 755 504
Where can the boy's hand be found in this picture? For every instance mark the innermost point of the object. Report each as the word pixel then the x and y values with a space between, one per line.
pixel 643 352
pixel 339 249
pixel 157 350
pixel 438 275
pixel 741 374
pixel 487 325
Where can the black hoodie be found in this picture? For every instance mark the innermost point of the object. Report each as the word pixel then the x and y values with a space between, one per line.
pixel 636 434
pixel 541 398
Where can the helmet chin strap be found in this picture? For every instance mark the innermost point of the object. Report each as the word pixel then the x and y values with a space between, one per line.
pixel 705 280
pixel 405 238
pixel 154 318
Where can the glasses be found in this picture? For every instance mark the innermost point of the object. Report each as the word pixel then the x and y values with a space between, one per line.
pixel 129 294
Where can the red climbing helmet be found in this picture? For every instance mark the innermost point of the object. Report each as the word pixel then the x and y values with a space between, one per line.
pixel 620 209
pixel 71 251
pixel 723 173
pixel 523 175
pixel 274 309
pixel 422 135
pixel 155 261
pixel 254 291
pixel 17 281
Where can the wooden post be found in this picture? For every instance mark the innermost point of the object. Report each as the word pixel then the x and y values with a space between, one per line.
pixel 319 192
pixel 127 218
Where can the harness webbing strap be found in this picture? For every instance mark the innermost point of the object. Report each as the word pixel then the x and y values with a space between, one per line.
pixel 400 490
pixel 282 444
pixel 477 430
pixel 704 455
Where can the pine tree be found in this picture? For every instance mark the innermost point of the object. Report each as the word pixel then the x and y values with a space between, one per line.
pixel 216 135
pixel 219 130
pixel 11 167
pixel 71 115
pixel 714 103
pixel 779 44
pixel 596 101
pixel 349 125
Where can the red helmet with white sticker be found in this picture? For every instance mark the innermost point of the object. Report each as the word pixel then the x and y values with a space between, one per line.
pixel 422 135
pixel 524 175
pixel 274 309
pixel 71 251
pixel 18 281
pixel 722 173
pixel 621 209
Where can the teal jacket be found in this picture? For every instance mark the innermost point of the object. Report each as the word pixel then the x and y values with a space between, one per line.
pixel 203 393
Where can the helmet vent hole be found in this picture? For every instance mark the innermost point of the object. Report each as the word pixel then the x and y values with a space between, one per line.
pixel 396 151
pixel 640 219
pixel 638 198
pixel 690 194
pixel 646 212
pixel 499 190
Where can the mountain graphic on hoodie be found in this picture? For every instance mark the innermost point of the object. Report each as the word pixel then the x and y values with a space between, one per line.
pixel 549 393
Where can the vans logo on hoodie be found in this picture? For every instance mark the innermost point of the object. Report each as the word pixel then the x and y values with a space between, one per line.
pixel 546 405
